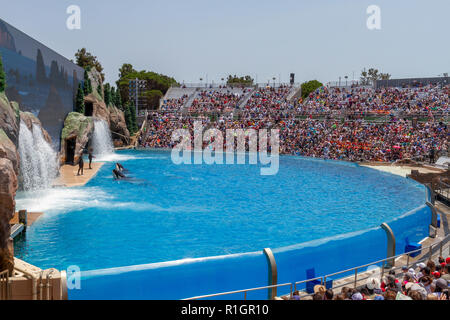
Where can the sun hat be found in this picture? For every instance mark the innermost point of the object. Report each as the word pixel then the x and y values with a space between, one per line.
pixel 441 283
pixel 409 285
pixel 319 288
pixel 357 296
pixel 421 265
pixel 373 283
pixel 437 274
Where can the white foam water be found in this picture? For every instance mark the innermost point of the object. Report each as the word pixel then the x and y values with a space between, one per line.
pixel 102 144
pixel 38 161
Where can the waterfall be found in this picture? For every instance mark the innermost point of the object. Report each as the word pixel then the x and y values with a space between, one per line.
pixel 38 161
pixel 102 144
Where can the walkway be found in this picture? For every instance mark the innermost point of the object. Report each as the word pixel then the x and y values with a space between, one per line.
pixel 69 178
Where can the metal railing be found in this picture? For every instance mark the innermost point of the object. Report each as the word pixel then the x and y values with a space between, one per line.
pixel 428 254
pixel 367 274
pixel 443 189
pixel 244 291
pixel 4 285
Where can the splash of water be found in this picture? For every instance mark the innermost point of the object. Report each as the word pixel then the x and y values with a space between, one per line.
pixel 102 144
pixel 38 161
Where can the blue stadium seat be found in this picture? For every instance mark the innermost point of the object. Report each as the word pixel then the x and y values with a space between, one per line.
pixel 412 246
pixel 310 274
pixel 438 220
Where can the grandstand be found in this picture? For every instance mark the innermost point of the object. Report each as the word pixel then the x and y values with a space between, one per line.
pixel 359 123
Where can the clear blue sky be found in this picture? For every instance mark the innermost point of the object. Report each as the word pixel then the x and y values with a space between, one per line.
pixel 189 39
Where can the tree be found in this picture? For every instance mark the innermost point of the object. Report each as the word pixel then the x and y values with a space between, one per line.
pixel 87 84
pixel 86 60
pixel 2 76
pixel 310 86
pixel 154 81
pixel 99 90
pixel 128 121
pixel 125 70
pixel 112 97
pixel 244 81
pixel 371 76
pixel 107 93
pixel 118 100
pixel 153 98
pixel 79 101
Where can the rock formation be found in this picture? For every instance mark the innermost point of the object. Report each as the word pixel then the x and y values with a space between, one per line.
pixel 78 127
pixel 118 127
pixel 9 171
pixel 29 119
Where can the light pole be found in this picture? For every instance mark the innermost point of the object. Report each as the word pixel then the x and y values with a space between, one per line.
pixel 346 77
pixel 339 82
pixel 274 78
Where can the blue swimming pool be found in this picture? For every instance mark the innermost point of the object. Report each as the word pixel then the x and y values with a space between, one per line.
pixel 182 213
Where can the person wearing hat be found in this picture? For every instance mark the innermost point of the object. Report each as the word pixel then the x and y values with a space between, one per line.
pixel 438 287
pixel 357 296
pixel 410 287
pixel 446 272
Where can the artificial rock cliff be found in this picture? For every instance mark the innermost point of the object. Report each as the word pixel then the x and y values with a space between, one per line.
pixel 9 172
pixel 79 128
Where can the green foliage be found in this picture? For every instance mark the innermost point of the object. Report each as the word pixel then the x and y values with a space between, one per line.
pixel 118 100
pixel 153 98
pixel 155 81
pixel 310 86
pixel 369 77
pixel 87 86
pixel 130 118
pixel 127 115
pixel 99 91
pixel 235 80
pixel 125 70
pixel 2 76
pixel 86 60
pixel 79 101
pixel 107 93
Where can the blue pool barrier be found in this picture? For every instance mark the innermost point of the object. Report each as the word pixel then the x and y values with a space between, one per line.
pixel 195 277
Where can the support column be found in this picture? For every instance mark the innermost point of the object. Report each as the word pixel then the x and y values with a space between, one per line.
pixel 273 273
pixel 433 225
pixel 390 244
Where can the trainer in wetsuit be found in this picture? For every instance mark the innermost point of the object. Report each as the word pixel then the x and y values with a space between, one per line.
pixel 90 158
pixel 80 166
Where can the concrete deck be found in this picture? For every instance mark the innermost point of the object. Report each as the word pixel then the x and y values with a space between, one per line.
pixel 32 217
pixel 69 178
pixel 402 170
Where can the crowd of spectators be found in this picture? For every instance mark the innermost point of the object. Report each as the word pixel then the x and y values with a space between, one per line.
pixel 174 105
pixel 215 101
pixel 428 281
pixel 406 101
pixel 331 138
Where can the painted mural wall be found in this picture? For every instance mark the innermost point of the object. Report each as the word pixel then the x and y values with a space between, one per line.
pixel 39 79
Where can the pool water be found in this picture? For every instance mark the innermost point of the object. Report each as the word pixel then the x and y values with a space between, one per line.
pixel 171 212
